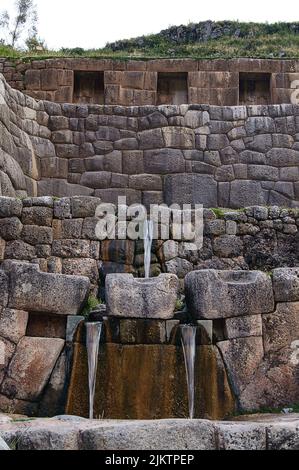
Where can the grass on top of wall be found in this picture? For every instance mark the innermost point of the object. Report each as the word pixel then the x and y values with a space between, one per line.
pixel 281 45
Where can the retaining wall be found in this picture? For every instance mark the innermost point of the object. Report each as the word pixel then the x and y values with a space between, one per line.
pixel 217 156
pixel 135 82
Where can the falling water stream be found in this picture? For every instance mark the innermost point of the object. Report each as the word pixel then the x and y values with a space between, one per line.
pixel 93 337
pixel 188 340
pixel 148 234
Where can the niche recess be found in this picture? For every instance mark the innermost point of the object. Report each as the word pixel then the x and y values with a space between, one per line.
pixel 172 88
pixel 254 88
pixel 88 87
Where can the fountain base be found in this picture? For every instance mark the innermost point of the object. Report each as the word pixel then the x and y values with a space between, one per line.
pixel 148 381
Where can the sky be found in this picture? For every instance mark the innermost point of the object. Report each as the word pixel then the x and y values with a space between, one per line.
pixel 93 23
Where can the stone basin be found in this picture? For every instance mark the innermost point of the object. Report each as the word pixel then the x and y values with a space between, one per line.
pixel 222 294
pixel 131 297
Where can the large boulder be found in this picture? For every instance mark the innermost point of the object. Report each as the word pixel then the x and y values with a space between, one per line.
pixel 223 294
pixel 130 297
pixel 35 291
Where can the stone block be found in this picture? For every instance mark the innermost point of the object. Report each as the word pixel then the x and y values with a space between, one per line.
pixel 81 267
pixel 3 289
pixel 228 246
pixel 84 206
pixel 286 284
pixel 35 291
pixel 96 180
pixel 71 228
pixel 242 358
pixel 10 207
pixel 10 228
pixel 179 137
pixel 242 327
pixel 281 330
pixel 152 435
pixel 145 182
pixel 13 324
pixel 223 294
pixel 190 189
pixel 247 193
pixel 151 139
pixel 133 162
pixel 281 157
pixel 131 297
pixel 41 216
pixel 241 436
pixel 54 168
pixel 217 141
pixel 31 367
pixel 164 161
pixel 71 248
pixel 35 235
pixel 19 250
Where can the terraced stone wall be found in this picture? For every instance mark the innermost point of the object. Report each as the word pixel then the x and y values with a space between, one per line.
pixel 217 156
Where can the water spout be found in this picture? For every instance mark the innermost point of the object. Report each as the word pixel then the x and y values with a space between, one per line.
pixel 148 234
pixel 93 337
pixel 188 340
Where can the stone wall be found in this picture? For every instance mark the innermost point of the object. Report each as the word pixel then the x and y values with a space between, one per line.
pixel 217 156
pixel 37 321
pixel 255 322
pixel 18 130
pixel 226 157
pixel 247 348
pixel 134 82
pixel 59 236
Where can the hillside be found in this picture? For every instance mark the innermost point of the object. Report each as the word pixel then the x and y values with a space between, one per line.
pixel 223 39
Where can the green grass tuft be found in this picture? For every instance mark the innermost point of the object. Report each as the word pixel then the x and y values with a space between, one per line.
pixel 91 303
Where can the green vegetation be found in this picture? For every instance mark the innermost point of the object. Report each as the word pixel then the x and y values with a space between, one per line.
pixel 91 303
pixel 179 305
pixel 266 410
pixel 225 39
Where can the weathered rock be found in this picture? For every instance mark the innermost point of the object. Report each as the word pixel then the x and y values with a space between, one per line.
pixel 31 367
pixel 281 328
pixel 241 436
pixel 3 289
pixel 13 324
pixel 32 290
pixel 149 435
pixel 222 294
pixel 286 284
pixel 130 297
pixel 242 358
pixel 190 189
pixel 283 436
pixel 84 206
pixel 10 207
pixel 242 327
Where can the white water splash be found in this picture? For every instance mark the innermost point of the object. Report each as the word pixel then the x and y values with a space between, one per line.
pixel 93 337
pixel 188 340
